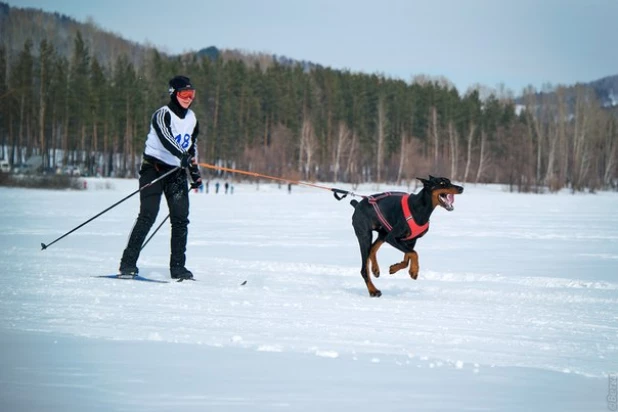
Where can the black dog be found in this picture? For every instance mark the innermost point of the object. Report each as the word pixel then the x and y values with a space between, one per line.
pixel 400 219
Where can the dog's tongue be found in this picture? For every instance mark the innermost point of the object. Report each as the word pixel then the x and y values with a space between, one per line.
pixel 450 198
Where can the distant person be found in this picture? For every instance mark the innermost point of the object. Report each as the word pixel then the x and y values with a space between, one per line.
pixel 171 142
pixel 227 187
pixel 217 188
pixel 289 188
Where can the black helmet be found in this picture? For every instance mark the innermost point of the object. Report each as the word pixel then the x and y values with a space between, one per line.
pixel 180 83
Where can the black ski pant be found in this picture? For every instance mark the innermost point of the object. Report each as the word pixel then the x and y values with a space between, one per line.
pixel 176 192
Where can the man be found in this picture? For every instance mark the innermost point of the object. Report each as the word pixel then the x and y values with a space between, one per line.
pixel 171 142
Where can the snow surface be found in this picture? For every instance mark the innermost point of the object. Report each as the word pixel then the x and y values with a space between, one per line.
pixel 515 307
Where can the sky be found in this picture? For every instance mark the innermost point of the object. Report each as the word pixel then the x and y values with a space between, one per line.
pixel 487 42
pixel 514 308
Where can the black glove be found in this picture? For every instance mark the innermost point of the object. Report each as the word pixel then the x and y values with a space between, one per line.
pixel 196 178
pixel 185 160
pixel 197 184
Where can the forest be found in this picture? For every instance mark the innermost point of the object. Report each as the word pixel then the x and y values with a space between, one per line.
pixel 297 121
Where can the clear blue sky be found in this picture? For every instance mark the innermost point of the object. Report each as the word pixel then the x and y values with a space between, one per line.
pixel 514 42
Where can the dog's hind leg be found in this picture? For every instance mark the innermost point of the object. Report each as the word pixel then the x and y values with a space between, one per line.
pixel 375 268
pixel 364 236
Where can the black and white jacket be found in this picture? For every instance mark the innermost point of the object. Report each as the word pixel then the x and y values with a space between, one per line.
pixel 173 131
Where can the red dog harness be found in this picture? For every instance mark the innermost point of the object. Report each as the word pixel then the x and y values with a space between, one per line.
pixel 416 230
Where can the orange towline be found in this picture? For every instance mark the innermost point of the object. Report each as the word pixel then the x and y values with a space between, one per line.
pixel 298 182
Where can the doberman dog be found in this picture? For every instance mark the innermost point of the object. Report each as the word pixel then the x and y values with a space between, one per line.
pixel 400 219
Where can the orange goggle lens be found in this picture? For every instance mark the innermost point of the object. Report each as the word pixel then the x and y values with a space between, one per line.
pixel 186 94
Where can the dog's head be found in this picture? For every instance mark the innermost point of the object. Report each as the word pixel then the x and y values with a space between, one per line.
pixel 442 191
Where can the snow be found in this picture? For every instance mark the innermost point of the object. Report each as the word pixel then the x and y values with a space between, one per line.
pixel 514 308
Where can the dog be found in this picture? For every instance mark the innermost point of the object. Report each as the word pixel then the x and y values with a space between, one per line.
pixel 400 220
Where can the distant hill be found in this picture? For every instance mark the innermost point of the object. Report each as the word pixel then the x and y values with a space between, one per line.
pixel 20 24
pixel 607 90
pixel 17 25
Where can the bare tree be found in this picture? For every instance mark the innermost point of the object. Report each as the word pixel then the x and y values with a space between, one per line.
pixel 308 147
pixel 469 140
pixel 610 149
pixel 453 138
pixel 415 163
pixel 342 145
pixel 402 155
pixel 555 137
pixel 580 136
pixel 350 169
pixel 537 118
pixel 434 135
pixel 484 158
pixel 381 137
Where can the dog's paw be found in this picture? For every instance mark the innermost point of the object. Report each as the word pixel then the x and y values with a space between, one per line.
pixel 414 269
pixel 375 294
pixel 396 267
pixel 374 267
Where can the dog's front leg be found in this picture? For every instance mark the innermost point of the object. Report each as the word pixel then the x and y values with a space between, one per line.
pixel 401 265
pixel 414 268
pixel 410 258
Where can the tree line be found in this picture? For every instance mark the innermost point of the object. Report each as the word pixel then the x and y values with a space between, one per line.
pixel 299 122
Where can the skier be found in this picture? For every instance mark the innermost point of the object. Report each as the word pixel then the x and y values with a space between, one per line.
pixel 171 142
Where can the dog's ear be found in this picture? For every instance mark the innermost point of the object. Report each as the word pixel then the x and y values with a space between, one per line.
pixel 423 181
pixel 431 177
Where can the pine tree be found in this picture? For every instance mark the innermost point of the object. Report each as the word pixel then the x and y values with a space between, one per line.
pixel 22 82
pixel 79 99
pixel 46 53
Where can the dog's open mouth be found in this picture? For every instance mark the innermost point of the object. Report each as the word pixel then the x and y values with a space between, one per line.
pixel 447 200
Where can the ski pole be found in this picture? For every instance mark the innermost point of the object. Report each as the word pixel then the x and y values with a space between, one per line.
pixel 45 246
pixel 153 233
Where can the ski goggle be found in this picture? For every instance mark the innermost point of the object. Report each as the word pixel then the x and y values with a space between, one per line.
pixel 186 94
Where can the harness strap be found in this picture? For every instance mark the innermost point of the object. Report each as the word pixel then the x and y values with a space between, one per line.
pixel 416 230
pixel 373 200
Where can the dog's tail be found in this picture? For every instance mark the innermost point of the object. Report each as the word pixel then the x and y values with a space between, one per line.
pixel 353 202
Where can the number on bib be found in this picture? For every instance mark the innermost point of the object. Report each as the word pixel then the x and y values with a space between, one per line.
pixel 184 141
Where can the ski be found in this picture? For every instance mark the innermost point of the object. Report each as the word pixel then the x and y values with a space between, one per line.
pixel 130 277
